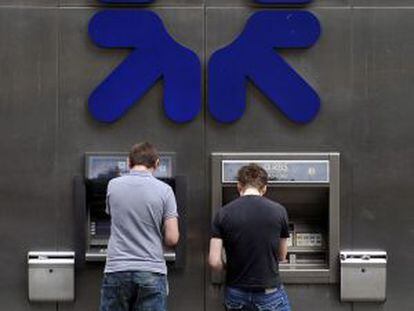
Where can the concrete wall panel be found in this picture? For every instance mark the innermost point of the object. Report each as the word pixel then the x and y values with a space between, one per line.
pixel 327 66
pixel 28 106
pixel 177 3
pixel 29 3
pixel 82 67
pixel 362 67
pixel 383 69
pixel 237 3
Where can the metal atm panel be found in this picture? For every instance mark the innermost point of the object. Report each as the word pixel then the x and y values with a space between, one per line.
pixel 307 184
pixel 90 197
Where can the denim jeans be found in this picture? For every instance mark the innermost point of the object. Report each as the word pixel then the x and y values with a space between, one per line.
pixel 273 300
pixel 134 291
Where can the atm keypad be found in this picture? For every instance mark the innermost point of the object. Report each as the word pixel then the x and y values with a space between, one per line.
pixel 309 239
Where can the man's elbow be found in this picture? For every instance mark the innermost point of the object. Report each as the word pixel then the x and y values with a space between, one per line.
pixel 172 240
pixel 282 257
pixel 215 264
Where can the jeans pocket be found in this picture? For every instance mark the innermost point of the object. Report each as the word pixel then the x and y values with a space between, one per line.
pixel 233 305
pixel 113 279
pixel 277 304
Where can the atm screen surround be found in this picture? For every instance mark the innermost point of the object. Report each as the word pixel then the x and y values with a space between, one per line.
pixel 307 185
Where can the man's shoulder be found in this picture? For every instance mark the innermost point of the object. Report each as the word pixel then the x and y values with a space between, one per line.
pixel 232 204
pixel 163 186
pixel 116 180
pixel 275 206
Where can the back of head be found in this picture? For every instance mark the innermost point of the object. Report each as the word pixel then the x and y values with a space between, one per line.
pixel 143 154
pixel 252 176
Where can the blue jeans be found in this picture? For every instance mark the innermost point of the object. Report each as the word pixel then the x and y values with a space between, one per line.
pixel 274 300
pixel 134 291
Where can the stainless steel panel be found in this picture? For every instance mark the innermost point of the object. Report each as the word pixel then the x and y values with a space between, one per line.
pixel 363 276
pixel 362 67
pixel 315 3
pixel 383 130
pixel 79 133
pixel 178 3
pixel 29 3
pixel 281 171
pixel 51 276
pixel 313 265
pixel 28 105
pixel 100 162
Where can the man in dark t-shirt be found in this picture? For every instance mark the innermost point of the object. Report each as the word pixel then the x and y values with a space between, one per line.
pixel 253 231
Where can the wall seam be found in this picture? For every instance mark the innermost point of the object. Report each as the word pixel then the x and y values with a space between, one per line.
pixel 351 197
pixel 57 123
pixel 204 151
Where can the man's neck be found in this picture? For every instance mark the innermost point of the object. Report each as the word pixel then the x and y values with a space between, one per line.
pixel 251 191
pixel 142 168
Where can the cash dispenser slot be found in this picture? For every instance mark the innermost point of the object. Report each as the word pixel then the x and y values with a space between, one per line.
pixel 307 185
pixel 90 200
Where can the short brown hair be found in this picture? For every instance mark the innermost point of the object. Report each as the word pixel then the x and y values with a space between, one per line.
pixel 143 154
pixel 252 175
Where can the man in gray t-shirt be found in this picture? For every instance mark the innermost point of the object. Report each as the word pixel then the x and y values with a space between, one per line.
pixel 144 215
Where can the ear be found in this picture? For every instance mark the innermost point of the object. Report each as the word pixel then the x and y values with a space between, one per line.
pixel 263 190
pixel 157 163
pixel 239 188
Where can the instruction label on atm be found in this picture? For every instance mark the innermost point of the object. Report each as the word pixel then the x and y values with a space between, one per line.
pixel 289 171
pixel 114 165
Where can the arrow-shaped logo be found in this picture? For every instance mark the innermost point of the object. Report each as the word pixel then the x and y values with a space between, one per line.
pixel 252 56
pixel 155 55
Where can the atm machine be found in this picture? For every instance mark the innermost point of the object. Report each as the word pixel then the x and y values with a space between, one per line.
pixel 307 184
pixel 93 224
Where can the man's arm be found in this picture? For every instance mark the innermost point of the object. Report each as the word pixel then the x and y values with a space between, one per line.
pixel 283 250
pixel 171 232
pixel 214 258
pixel 108 207
pixel 284 235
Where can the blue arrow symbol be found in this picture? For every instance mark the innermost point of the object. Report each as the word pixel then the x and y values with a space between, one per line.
pixel 155 55
pixel 252 56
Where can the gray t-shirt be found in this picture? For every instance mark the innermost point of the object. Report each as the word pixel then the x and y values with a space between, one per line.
pixel 138 204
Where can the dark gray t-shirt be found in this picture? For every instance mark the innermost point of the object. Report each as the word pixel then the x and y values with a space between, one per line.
pixel 138 204
pixel 251 228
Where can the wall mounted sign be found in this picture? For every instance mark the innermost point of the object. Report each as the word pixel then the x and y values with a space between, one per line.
pixel 251 57
pixel 155 55
pixel 288 171
pixel 110 165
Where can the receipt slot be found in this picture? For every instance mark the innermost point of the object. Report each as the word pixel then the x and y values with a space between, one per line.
pixel 307 184
pixel 51 276
pixel 363 276
pixel 90 203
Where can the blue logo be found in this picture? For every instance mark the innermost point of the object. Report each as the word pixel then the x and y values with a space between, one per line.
pixel 155 55
pixel 251 57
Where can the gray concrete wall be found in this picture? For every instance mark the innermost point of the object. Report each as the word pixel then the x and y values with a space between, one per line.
pixel 362 67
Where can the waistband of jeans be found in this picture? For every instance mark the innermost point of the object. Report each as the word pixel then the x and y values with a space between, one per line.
pixel 263 290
